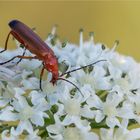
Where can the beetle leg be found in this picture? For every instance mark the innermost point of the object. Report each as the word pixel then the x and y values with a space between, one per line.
pixel 6 42
pixel 27 57
pixel 41 75
pixel 16 36
pixel 19 56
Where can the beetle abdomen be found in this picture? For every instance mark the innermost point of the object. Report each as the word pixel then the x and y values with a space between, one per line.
pixel 34 43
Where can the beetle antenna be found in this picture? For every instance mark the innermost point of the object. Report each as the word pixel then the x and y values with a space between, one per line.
pixel 68 72
pixel 71 83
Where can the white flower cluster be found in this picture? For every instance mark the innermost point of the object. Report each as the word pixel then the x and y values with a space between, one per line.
pixel 108 99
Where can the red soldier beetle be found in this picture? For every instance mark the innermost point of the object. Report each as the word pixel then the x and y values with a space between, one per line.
pixel 31 41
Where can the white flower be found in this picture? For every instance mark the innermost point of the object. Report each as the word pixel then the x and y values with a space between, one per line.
pixel 33 136
pixel 25 114
pixel 104 95
pixel 96 79
pixel 88 51
pixel 7 114
pixel 29 64
pixel 73 111
pixel 30 83
pixel 5 136
pixel 106 109
pixel 64 56
pixel 9 94
pixel 121 133
pixel 58 132
pixel 39 100
pixel 76 134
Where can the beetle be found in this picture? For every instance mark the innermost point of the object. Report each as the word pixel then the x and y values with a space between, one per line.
pixel 31 41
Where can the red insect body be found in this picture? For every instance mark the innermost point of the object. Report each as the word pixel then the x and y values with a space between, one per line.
pixel 35 45
pixel 42 51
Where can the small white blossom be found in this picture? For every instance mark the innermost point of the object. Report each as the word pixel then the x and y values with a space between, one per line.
pixel 5 136
pixel 25 114
pixel 57 131
pixel 121 133
pixel 33 136
pixel 106 94
pixel 106 109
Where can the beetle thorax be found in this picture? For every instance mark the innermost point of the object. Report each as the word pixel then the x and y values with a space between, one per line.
pixel 51 64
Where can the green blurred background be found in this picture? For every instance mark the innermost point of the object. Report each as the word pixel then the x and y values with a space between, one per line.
pixel 110 20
